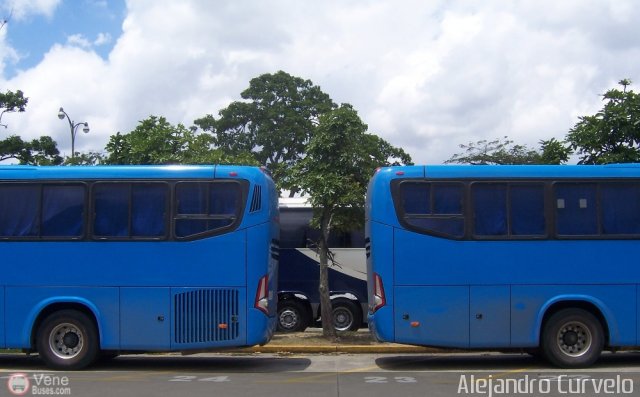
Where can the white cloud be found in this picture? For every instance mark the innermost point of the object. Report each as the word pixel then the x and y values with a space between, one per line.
pixel 78 40
pixel 21 9
pixel 426 76
pixel 102 39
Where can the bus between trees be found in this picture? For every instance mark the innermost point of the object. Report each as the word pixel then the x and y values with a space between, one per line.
pixel 107 260
pixel 540 258
pixel 299 272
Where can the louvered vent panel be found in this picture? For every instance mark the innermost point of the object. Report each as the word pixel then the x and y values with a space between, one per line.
pixel 206 315
pixel 256 201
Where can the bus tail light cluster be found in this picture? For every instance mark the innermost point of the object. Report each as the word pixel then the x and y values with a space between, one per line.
pixel 379 299
pixel 262 295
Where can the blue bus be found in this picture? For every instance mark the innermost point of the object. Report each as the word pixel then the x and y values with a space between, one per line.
pixel 538 258
pixel 98 261
pixel 299 272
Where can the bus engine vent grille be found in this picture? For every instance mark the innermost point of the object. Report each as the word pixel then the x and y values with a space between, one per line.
pixel 256 201
pixel 206 315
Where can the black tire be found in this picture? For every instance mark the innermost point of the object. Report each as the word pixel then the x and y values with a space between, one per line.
pixel 346 316
pixel 67 340
pixel 572 338
pixel 293 316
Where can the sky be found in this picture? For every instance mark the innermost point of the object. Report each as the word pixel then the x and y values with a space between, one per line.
pixel 425 75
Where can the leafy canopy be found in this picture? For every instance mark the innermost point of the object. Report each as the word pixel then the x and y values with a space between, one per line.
pixel 612 135
pixel 504 152
pixel 156 141
pixel 41 151
pixel 275 121
pixel 12 102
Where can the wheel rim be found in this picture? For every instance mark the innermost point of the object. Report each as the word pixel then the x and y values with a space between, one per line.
pixel 289 319
pixel 66 341
pixel 574 339
pixel 342 319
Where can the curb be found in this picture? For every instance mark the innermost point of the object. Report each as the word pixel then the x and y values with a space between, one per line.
pixel 329 349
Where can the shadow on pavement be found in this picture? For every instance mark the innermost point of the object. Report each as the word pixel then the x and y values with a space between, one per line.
pixel 204 363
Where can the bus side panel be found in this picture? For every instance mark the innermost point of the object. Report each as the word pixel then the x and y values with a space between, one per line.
pixel 529 303
pixel 380 261
pixel 24 304
pixel 145 318
pixel 420 311
pixel 490 316
pixel 2 319
pixel 638 316
pixel 260 262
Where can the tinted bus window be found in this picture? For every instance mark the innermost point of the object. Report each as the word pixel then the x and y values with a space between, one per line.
pixel 37 210
pixel 205 207
pixel 620 208
pixel 294 228
pixel 490 209
pixel 501 209
pixel 433 207
pixel 124 210
pixel 576 209
pixel 63 210
pixel 19 206
pixel 527 210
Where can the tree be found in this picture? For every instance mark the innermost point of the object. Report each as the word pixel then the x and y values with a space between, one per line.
pixel 41 151
pixel 12 102
pixel 612 135
pixel 504 152
pixel 88 158
pixel 156 141
pixel 275 122
pixel 339 160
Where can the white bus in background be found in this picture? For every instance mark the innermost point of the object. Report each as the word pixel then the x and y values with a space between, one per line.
pixel 299 269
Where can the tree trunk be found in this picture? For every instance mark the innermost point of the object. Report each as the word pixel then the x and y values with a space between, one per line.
pixel 328 330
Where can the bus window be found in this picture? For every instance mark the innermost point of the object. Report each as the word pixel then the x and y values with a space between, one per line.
pixel 527 210
pixel 124 210
pixel 576 209
pixel 523 216
pixel 63 210
pixel 204 207
pixel 490 209
pixel 433 207
pixel 620 208
pixel 19 210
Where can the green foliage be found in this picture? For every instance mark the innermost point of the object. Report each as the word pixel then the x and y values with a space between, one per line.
pixel 554 152
pixel 340 159
pixel 41 151
pixel 275 122
pixel 613 134
pixel 88 158
pixel 12 102
pixel 504 152
pixel 156 141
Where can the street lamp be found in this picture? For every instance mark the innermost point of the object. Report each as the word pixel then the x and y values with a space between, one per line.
pixel 74 129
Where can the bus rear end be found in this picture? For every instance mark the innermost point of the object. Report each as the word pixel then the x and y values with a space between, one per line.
pixel 380 224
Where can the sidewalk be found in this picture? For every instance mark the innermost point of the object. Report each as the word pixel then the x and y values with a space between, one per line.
pixel 312 341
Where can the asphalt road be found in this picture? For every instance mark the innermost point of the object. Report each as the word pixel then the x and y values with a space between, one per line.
pixel 460 374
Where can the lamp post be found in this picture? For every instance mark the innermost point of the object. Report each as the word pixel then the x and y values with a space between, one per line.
pixel 74 129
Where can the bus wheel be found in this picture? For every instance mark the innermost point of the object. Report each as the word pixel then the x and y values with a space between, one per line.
pixel 292 316
pixel 572 338
pixel 346 316
pixel 67 340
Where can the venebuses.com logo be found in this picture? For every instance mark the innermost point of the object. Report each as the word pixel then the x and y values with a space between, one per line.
pixel 20 384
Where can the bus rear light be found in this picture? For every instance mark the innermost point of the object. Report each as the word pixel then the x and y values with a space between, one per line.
pixel 379 299
pixel 262 295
